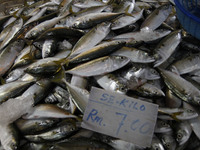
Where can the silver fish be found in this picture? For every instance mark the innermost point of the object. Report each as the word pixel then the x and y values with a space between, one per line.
pixel 93 19
pixel 183 132
pixel 36 16
pixel 162 127
pixel 111 83
pixel 15 74
pixel 166 47
pixel 89 3
pixel 177 114
pixel 93 37
pixel 124 21
pixel 38 29
pixel 146 36
pixel 156 144
pixel 47 111
pixel 16 27
pixel 12 89
pixel 135 55
pixel 186 65
pixel 168 141
pixel 8 55
pixel 142 71
pixel 79 96
pixel 99 66
pixel 149 90
pixel 172 100
pixel 98 51
pixel 181 87
pixel 157 17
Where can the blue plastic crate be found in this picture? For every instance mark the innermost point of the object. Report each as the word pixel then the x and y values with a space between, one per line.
pixel 188 12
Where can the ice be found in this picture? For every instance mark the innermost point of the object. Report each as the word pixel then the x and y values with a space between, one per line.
pixel 10 111
pixel 14 108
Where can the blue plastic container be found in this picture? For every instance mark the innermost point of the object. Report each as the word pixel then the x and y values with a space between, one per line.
pixel 188 13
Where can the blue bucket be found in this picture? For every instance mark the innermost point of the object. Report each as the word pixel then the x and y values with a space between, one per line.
pixel 188 13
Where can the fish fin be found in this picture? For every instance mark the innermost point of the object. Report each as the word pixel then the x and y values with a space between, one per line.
pixel 15 14
pixel 2 81
pixel 26 3
pixel 71 10
pixel 59 78
pixel 28 42
pixel 174 115
pixel 127 11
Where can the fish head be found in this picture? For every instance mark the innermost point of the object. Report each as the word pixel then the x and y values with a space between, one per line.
pixel 31 34
pixel 167 8
pixel 186 114
pixel 157 146
pixel 181 137
pixel 120 60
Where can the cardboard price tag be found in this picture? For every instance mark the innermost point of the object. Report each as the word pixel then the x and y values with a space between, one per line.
pixel 120 116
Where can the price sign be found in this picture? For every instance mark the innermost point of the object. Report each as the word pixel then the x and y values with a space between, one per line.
pixel 120 116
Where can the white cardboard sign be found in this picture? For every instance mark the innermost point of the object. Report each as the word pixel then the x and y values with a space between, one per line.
pixel 120 116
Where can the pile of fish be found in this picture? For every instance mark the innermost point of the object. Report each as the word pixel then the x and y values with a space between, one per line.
pixel 53 51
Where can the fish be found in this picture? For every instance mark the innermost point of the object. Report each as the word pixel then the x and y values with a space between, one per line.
pixel 40 28
pixel 177 113
pixel 111 83
pixel 63 130
pixel 186 65
pixel 36 16
pixel 149 90
pixel 98 33
pixel 8 55
pixel 156 144
pixel 13 89
pixel 15 75
pixel 172 100
pixel 94 67
pixel 166 47
pixel 142 71
pixel 25 57
pixel 16 27
pixel 181 87
pixel 134 54
pixel 34 126
pixel 146 36
pixel 126 20
pixel 78 96
pixel 47 111
pixel 162 126
pixel 9 137
pixel 183 132
pixel 45 66
pixel 168 141
pixel 90 20
pixel 83 143
pixel 97 51
pixel 49 47
pixel 155 19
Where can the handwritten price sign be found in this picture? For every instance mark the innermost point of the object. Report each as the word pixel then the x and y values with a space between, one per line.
pixel 113 114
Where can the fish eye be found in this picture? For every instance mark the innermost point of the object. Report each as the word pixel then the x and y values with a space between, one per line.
pixel 72 129
pixel 190 111
pixel 179 136
pixel 156 147
pixel 33 33
pixel 122 89
pixel 121 57
pixel 164 124
pixel 167 145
